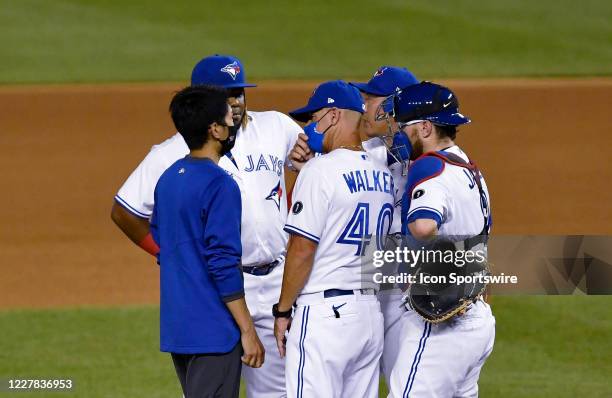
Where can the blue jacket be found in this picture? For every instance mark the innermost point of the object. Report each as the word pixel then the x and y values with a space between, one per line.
pixel 196 223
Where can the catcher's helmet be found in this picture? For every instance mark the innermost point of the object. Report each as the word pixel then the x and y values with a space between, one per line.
pixel 427 101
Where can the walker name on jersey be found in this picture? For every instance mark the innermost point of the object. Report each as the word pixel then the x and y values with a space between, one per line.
pixel 369 180
pixel 261 162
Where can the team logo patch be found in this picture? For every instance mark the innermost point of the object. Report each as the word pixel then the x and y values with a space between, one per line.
pixel 418 193
pixel 232 69
pixel 275 195
pixel 297 207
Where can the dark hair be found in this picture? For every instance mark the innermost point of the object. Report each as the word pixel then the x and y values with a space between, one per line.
pixel 446 131
pixel 194 109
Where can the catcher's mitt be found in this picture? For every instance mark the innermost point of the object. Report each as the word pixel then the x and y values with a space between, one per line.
pixel 439 298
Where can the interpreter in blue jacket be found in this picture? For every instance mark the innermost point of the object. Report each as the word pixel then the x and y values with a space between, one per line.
pixel 204 320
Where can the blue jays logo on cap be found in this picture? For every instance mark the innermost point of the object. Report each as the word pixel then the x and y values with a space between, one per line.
pixel 386 81
pixel 220 70
pixel 380 71
pixel 232 69
pixel 335 93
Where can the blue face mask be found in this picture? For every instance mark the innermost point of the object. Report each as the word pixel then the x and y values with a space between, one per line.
pixel 400 149
pixel 315 137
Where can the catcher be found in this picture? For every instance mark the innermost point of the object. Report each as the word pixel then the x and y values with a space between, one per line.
pixel 448 330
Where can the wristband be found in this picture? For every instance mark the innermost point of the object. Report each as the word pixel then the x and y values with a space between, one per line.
pixel 281 314
pixel 148 244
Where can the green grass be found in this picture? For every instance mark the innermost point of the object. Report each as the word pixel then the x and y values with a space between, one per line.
pixel 545 347
pixel 158 40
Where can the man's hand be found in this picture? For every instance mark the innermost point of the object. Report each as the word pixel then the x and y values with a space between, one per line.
pixel 301 152
pixel 254 352
pixel 281 327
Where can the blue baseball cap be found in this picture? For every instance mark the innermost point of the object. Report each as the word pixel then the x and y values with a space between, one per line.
pixel 336 94
pixel 428 101
pixel 220 70
pixel 387 80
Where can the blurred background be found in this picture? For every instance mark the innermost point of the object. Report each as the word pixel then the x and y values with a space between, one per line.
pixel 84 91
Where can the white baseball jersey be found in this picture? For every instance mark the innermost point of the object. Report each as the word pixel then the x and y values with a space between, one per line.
pixel 448 194
pixel 136 194
pixel 341 200
pixel 257 164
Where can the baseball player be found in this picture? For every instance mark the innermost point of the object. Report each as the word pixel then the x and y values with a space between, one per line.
pixel 341 200
pixel 445 196
pixel 256 162
pixel 386 81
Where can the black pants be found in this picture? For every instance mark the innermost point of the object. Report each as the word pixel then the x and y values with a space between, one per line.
pixel 209 375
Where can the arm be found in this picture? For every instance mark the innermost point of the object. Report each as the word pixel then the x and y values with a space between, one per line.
pixel 304 224
pixel 423 228
pixel 290 177
pixel 300 257
pixel 425 201
pixel 254 352
pixel 300 153
pixel 134 227
pixel 222 253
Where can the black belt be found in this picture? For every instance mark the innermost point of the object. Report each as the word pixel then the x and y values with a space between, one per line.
pixel 260 270
pixel 339 292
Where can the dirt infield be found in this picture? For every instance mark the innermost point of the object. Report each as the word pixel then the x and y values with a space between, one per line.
pixel 543 146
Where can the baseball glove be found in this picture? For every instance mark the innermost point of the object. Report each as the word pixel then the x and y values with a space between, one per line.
pixel 436 296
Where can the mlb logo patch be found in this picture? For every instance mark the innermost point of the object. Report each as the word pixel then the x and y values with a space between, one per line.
pixel 232 69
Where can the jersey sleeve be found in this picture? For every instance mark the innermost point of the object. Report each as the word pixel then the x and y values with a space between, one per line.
pixel 222 246
pixel 311 199
pixel 425 196
pixel 136 194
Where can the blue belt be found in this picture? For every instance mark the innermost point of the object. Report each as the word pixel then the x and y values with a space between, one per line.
pixel 337 292
pixel 260 270
pixel 340 292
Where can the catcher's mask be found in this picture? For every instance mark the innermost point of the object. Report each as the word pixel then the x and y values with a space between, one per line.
pixel 397 143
